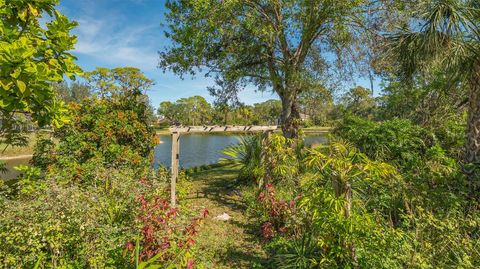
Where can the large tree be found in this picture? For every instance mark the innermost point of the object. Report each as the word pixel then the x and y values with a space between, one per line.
pixel 268 112
pixel 276 45
pixel 317 103
pixel 446 36
pixel 73 92
pixel 123 86
pixel 194 110
pixel 359 101
pixel 33 56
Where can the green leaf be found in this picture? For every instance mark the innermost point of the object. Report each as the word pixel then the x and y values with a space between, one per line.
pixel 23 15
pixel 21 86
pixel 33 10
pixel 16 73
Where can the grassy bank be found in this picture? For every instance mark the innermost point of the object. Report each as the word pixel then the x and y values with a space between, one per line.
pixel 317 129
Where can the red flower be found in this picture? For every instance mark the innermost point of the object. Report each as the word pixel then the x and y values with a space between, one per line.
pixel 190 264
pixel 205 213
pixel 261 197
pixel 190 242
pixel 267 230
pixel 130 246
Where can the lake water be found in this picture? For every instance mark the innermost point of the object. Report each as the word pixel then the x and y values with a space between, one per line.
pixel 195 150
pixel 12 173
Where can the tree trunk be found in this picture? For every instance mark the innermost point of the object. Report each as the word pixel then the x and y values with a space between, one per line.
pixel 472 152
pixel 290 119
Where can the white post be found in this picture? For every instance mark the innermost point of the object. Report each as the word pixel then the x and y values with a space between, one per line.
pixel 175 161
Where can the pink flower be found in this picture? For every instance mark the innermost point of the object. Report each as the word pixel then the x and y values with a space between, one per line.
pixel 190 264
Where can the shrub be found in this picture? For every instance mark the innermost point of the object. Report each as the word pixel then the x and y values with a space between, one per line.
pixel 397 141
pixel 93 193
pixel 425 165
pixel 247 153
pixel 69 225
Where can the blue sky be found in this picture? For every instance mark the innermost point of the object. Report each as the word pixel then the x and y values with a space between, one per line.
pixel 117 33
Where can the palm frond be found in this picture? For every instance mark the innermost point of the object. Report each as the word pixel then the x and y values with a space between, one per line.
pixel 444 39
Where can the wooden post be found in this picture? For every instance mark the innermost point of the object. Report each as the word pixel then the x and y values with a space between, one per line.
pixel 264 160
pixel 177 130
pixel 175 161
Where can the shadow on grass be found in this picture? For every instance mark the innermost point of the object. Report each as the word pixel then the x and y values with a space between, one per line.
pixel 219 185
pixel 238 257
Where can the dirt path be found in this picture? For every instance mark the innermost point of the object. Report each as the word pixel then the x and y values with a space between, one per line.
pixel 225 244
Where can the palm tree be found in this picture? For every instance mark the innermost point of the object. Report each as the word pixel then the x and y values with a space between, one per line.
pixel 447 37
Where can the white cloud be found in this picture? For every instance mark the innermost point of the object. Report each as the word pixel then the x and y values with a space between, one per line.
pixel 111 43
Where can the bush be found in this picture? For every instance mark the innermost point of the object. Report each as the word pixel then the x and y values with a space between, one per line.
pixel 93 194
pixel 426 166
pixel 396 141
pixel 69 225
pixel 397 203
pixel 112 134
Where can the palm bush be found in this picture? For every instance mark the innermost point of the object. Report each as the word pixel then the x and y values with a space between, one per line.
pixel 300 253
pixel 247 153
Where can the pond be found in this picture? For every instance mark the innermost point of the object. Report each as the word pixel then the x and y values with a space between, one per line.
pixel 195 150
pixel 11 163
pixel 198 149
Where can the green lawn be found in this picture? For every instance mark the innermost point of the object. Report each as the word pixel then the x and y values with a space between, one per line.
pixel 224 244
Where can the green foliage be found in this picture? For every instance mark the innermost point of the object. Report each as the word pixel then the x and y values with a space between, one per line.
pixel 396 198
pixel 3 168
pixel 415 151
pixel 392 141
pixel 70 224
pixel 193 110
pixel 300 253
pixel 433 198
pixel 359 101
pixel 336 208
pixel 111 129
pixel 33 57
pixel 267 113
pixel 75 92
pixel 283 46
pixel 446 39
pixel 264 159
pixel 425 101
pixel 317 103
pixel 247 153
pixel 92 192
